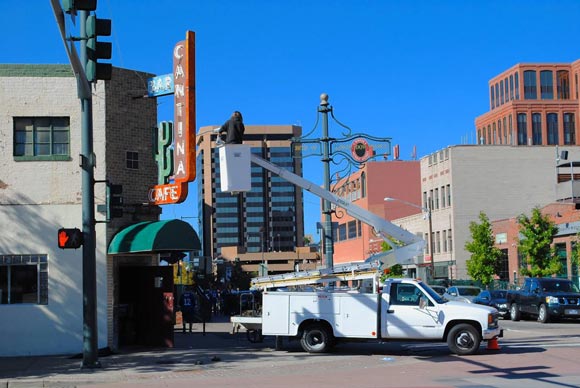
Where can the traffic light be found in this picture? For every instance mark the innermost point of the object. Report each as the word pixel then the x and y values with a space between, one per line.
pixel 70 238
pixel 114 201
pixel 98 50
pixel 78 5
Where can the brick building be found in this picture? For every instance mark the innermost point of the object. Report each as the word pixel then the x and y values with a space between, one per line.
pixel 532 104
pixel 565 216
pixel 261 227
pixel 367 188
pixel 41 292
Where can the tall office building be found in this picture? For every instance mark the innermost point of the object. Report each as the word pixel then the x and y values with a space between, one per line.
pixel 532 104
pixel 269 217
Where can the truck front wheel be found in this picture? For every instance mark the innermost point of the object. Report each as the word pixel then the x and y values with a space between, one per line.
pixel 515 312
pixel 463 339
pixel 315 339
pixel 543 315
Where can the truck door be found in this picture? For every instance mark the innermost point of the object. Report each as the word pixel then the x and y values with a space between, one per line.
pixel 533 296
pixel 403 317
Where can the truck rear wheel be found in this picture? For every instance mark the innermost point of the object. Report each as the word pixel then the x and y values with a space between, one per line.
pixel 315 339
pixel 543 315
pixel 463 339
pixel 515 314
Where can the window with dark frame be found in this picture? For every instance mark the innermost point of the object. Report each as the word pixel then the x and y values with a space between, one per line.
pixel 132 160
pixel 41 138
pixel 23 279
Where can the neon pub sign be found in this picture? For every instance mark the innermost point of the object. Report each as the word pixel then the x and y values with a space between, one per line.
pixel 175 154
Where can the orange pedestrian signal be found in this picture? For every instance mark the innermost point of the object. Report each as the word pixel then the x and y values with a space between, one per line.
pixel 70 238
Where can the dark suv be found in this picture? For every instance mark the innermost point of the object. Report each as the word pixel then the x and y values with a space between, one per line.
pixel 545 298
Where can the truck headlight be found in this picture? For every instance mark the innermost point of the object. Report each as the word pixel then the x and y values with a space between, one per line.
pixel 551 300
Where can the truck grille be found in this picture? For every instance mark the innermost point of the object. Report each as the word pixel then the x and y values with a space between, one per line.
pixel 567 300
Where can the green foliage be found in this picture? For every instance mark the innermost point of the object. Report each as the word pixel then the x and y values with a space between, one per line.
pixel 396 271
pixel 535 246
pixel 485 257
pixel 575 257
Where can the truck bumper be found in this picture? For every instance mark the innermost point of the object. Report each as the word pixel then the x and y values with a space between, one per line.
pixel 492 333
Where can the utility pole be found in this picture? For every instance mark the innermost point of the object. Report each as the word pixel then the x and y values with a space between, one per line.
pixel 87 70
pixel 324 108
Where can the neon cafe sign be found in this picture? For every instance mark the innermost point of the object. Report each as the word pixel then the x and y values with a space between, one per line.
pixel 175 153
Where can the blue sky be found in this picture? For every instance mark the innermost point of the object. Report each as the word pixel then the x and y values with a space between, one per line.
pixel 414 71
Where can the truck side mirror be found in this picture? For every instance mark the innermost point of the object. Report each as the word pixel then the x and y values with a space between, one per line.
pixel 422 302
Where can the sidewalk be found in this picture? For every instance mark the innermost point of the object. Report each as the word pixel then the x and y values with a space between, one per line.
pixel 192 351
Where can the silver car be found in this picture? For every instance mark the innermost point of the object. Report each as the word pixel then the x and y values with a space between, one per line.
pixel 462 293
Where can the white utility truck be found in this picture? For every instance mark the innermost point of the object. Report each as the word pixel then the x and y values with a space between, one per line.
pixel 299 306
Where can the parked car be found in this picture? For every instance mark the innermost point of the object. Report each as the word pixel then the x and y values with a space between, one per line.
pixel 438 289
pixel 462 293
pixel 544 299
pixel 494 298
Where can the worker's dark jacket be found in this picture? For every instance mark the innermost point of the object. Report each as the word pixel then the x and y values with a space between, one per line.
pixel 234 129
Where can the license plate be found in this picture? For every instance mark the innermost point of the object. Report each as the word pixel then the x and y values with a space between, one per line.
pixel 571 312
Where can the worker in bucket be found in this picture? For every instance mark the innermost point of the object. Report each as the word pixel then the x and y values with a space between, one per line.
pixel 233 128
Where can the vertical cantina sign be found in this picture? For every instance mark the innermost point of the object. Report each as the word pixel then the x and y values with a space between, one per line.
pixel 182 156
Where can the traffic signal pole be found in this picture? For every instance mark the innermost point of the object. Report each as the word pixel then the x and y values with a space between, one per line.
pixel 87 164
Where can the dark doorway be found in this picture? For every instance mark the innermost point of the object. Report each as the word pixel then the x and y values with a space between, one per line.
pixel 146 306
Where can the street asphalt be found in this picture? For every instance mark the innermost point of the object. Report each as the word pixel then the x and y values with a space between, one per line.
pixel 218 358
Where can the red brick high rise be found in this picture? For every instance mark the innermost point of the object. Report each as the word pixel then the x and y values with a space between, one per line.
pixel 532 104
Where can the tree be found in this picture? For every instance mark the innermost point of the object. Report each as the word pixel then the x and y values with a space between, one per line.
pixel 535 246
pixel 485 257
pixel 575 257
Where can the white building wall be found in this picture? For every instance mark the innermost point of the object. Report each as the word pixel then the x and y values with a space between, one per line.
pixel 36 199
pixel 501 181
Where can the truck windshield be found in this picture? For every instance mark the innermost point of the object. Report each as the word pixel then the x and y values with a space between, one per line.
pixel 438 298
pixel 559 286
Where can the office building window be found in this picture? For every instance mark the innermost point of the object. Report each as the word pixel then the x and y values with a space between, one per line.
pixel 505 136
pixel 522 128
pixel 546 85
pixel 341 232
pixel 511 87
pixel 443 199
pixel 507 90
pixel 499 131
pixel 444 241
pixel 450 239
pixel 425 204
pixel 438 242
pixel 428 243
pixel 563 82
pixel 493 139
pixel 23 279
pixel 552 119
pixel 569 129
pixel 132 161
pixel 496 94
pixel 530 89
pixel 511 130
pixel 436 198
pixel 501 95
pixel 488 135
pixel 492 92
pixel 448 195
pixel 352 229
pixel 41 138
pixel 536 128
